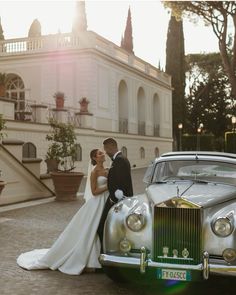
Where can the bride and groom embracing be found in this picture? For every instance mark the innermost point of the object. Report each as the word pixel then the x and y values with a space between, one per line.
pixel 79 245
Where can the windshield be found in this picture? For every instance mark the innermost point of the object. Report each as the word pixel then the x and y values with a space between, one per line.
pixel 195 170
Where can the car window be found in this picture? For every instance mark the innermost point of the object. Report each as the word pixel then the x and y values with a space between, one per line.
pixel 195 170
pixel 148 174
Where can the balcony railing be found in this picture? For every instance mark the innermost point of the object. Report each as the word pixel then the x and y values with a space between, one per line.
pixel 156 130
pixel 25 111
pixel 141 128
pixel 123 126
pixel 89 40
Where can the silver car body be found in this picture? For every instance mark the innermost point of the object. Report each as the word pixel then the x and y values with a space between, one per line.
pixel 183 223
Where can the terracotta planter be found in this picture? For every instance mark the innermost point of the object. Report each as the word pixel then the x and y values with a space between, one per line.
pixel 60 102
pixel 84 105
pixel 66 185
pixel 2 185
pixel 52 165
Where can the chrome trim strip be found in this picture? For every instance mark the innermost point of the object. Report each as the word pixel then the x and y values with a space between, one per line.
pixel 131 262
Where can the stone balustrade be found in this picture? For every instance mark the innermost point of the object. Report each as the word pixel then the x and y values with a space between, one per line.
pixel 84 40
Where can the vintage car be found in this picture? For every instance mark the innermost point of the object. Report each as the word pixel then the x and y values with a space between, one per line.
pixel 182 227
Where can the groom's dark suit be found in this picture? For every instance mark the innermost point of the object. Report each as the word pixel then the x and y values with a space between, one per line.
pixel 119 178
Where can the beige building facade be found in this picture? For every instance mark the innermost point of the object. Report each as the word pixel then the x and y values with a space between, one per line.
pixel 128 98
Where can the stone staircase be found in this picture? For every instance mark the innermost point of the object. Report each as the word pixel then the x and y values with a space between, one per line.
pixel 22 176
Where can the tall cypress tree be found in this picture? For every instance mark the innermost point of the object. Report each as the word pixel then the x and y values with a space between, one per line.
pixel 127 41
pixel 175 66
pixel 80 20
pixel 1 31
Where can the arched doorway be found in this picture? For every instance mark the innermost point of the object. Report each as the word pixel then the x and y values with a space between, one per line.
pixel 123 107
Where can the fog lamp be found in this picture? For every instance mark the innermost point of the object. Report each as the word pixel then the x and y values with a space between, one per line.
pixel 222 227
pixel 135 221
pixel 229 255
pixel 125 245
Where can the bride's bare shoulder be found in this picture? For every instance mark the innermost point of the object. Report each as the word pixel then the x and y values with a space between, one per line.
pixel 94 173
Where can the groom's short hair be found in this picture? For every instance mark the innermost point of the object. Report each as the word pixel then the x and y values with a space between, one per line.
pixel 110 141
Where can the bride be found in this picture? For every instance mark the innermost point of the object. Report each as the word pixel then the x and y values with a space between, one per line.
pixel 78 246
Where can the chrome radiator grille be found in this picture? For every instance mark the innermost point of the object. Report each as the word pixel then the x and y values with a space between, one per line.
pixel 177 235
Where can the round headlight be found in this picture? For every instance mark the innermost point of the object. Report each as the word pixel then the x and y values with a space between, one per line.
pixel 135 221
pixel 222 227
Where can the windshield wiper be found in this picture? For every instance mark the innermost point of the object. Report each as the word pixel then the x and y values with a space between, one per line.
pixel 200 181
pixel 173 178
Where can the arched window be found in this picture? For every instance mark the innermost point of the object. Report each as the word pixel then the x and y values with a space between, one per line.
pixel 124 151
pixel 29 150
pixel 156 152
pixel 15 89
pixel 78 155
pixel 142 153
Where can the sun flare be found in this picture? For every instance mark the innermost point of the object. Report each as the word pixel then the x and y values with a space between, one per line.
pixel 55 16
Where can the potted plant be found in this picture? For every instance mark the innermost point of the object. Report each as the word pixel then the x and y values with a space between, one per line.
pixel 3 80
pixel 84 105
pixel 52 158
pixel 63 147
pixel 60 99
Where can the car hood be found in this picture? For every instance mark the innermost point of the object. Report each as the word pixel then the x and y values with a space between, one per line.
pixel 201 194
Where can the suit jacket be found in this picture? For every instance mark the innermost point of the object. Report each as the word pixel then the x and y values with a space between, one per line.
pixel 119 177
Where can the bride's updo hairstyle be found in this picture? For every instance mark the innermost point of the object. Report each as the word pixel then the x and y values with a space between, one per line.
pixel 93 154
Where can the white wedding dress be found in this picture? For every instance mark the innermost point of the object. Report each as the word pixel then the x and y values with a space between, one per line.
pixel 78 246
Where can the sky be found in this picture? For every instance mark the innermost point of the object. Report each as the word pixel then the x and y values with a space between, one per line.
pixel 108 19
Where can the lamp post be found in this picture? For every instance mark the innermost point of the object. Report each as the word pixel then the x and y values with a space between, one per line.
pixel 233 120
pixel 199 131
pixel 180 127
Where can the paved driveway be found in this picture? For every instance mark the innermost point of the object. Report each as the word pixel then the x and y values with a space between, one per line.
pixel 38 226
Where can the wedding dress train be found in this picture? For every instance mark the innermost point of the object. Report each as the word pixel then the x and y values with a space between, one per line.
pixel 78 246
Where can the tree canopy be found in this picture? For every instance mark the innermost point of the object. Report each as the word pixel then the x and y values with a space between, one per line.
pixel 220 15
pixel 208 99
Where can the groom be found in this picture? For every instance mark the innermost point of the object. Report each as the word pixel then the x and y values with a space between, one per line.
pixel 119 180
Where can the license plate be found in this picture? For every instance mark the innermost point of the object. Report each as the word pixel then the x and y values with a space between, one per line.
pixel 173 274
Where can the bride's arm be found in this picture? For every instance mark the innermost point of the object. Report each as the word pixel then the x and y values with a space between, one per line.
pixel 94 187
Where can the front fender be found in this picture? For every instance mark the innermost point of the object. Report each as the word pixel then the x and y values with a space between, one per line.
pixel 116 229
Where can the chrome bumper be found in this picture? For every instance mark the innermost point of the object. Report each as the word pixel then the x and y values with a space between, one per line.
pixel 142 263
